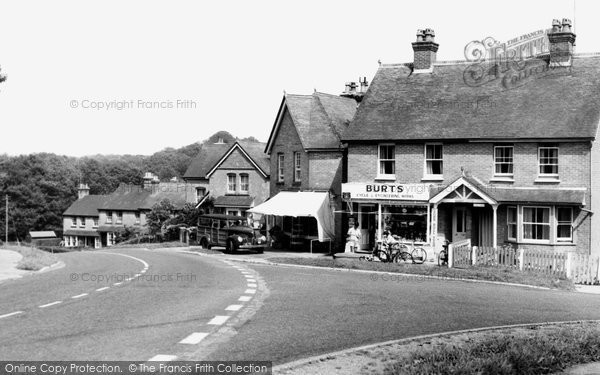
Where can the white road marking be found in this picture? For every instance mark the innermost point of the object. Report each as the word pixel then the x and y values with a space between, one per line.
pixel 10 314
pixel 117 284
pixel 162 358
pixel 252 285
pixel 234 307
pixel 244 298
pixel 137 275
pixel 218 320
pixel 146 265
pixel 49 304
pixel 101 289
pixel 194 338
pixel 143 271
pixel 246 273
pixel 250 291
pixel 79 295
pixel 251 280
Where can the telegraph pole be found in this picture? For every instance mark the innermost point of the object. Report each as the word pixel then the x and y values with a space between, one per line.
pixel 6 222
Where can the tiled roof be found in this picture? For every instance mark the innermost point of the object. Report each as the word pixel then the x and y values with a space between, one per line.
pixel 133 197
pixel 86 206
pixel 552 103
pixel 234 201
pixel 550 196
pixel 320 119
pixel 77 232
pixel 211 154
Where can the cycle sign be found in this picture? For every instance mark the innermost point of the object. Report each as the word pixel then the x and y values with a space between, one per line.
pixel 391 191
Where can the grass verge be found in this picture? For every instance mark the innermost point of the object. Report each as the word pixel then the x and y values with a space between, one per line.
pixel 33 258
pixel 527 351
pixel 501 274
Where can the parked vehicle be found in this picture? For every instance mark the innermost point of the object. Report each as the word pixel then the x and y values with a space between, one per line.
pixel 232 232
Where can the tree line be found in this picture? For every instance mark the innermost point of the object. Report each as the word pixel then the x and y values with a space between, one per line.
pixel 42 186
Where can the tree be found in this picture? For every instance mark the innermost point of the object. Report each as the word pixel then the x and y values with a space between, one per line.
pixel 160 214
pixel 2 77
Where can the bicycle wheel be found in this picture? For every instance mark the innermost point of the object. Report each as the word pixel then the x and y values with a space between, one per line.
pixel 383 256
pixel 419 255
pixel 402 255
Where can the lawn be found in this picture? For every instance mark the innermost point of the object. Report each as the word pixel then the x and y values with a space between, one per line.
pixel 541 350
pixel 33 258
pixel 501 274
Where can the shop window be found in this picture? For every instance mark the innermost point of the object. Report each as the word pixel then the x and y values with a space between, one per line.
pixel 407 222
pixel 231 188
pixel 536 223
pixel 280 160
pixel 244 183
pixel 387 161
pixel 511 223
pixel 503 160
pixel 297 167
pixel 564 224
pixel 548 161
pixel 434 160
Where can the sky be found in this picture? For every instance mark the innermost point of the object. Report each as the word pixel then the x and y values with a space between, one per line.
pixel 135 77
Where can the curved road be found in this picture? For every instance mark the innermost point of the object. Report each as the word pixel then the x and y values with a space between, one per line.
pixel 274 313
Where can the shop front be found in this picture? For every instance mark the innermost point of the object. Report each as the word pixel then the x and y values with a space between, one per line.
pixel 401 209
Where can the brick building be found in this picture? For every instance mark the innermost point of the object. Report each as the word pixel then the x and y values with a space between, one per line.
pixel 81 220
pixel 510 158
pixel 235 175
pixel 306 155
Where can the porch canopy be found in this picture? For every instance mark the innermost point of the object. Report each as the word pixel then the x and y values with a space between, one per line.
pixel 302 203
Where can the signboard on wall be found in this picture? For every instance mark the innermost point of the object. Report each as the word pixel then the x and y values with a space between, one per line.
pixel 391 191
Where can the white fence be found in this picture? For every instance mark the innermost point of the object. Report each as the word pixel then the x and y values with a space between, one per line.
pixel 581 268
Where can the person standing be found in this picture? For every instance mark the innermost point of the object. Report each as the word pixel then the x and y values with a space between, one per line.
pixel 353 237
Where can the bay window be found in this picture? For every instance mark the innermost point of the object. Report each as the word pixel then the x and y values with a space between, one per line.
pixel 564 224
pixel 536 223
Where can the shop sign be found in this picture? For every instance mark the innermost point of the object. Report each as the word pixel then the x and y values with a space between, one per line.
pixel 393 191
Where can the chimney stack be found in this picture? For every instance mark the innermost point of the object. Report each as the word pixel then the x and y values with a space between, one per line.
pixel 83 191
pixel 561 40
pixel 425 49
pixel 354 91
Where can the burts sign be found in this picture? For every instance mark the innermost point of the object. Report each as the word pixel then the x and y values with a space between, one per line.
pixel 408 192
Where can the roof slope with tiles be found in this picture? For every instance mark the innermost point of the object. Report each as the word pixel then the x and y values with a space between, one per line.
pixel 551 103
pixel 86 206
pixel 210 155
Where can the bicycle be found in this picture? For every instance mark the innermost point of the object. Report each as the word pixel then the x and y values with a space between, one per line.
pixel 383 252
pixel 413 254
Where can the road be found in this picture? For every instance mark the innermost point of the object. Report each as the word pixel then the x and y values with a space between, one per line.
pixel 285 314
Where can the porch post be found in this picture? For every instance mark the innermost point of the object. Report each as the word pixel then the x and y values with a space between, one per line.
pixel 434 226
pixel 495 226
pixel 428 223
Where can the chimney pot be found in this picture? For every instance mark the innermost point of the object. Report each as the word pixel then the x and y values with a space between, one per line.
pixel 420 35
pixel 556 26
pixel 566 25
pixel 429 35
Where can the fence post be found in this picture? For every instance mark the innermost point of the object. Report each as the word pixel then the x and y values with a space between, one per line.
pixel 569 265
pixel 521 259
pixel 450 256
pixel 474 256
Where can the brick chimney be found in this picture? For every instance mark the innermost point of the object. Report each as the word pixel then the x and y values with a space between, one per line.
pixel 83 191
pixel 561 40
pixel 425 49
pixel 354 91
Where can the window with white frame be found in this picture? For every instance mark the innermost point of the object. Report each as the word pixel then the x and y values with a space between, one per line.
pixel 536 223
pixel 297 167
pixel 548 161
pixel 434 164
pixel 511 222
pixel 387 160
pixel 200 192
pixel 244 183
pixel 109 218
pixel 503 160
pixel 119 217
pixel 137 218
pixel 81 222
pixel 73 222
pixel 95 220
pixel 231 183
pixel 564 224
pixel 280 160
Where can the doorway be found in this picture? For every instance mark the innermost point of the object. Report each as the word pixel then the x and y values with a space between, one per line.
pixel 459 223
pixel 367 217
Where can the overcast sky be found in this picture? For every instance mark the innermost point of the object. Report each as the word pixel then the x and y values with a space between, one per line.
pixel 227 62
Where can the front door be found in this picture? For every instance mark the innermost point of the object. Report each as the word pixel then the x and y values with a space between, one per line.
pixel 459 224
pixel 366 220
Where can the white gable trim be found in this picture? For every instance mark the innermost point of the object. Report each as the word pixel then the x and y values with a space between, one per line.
pixel 235 146
pixel 458 183
pixel 276 126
